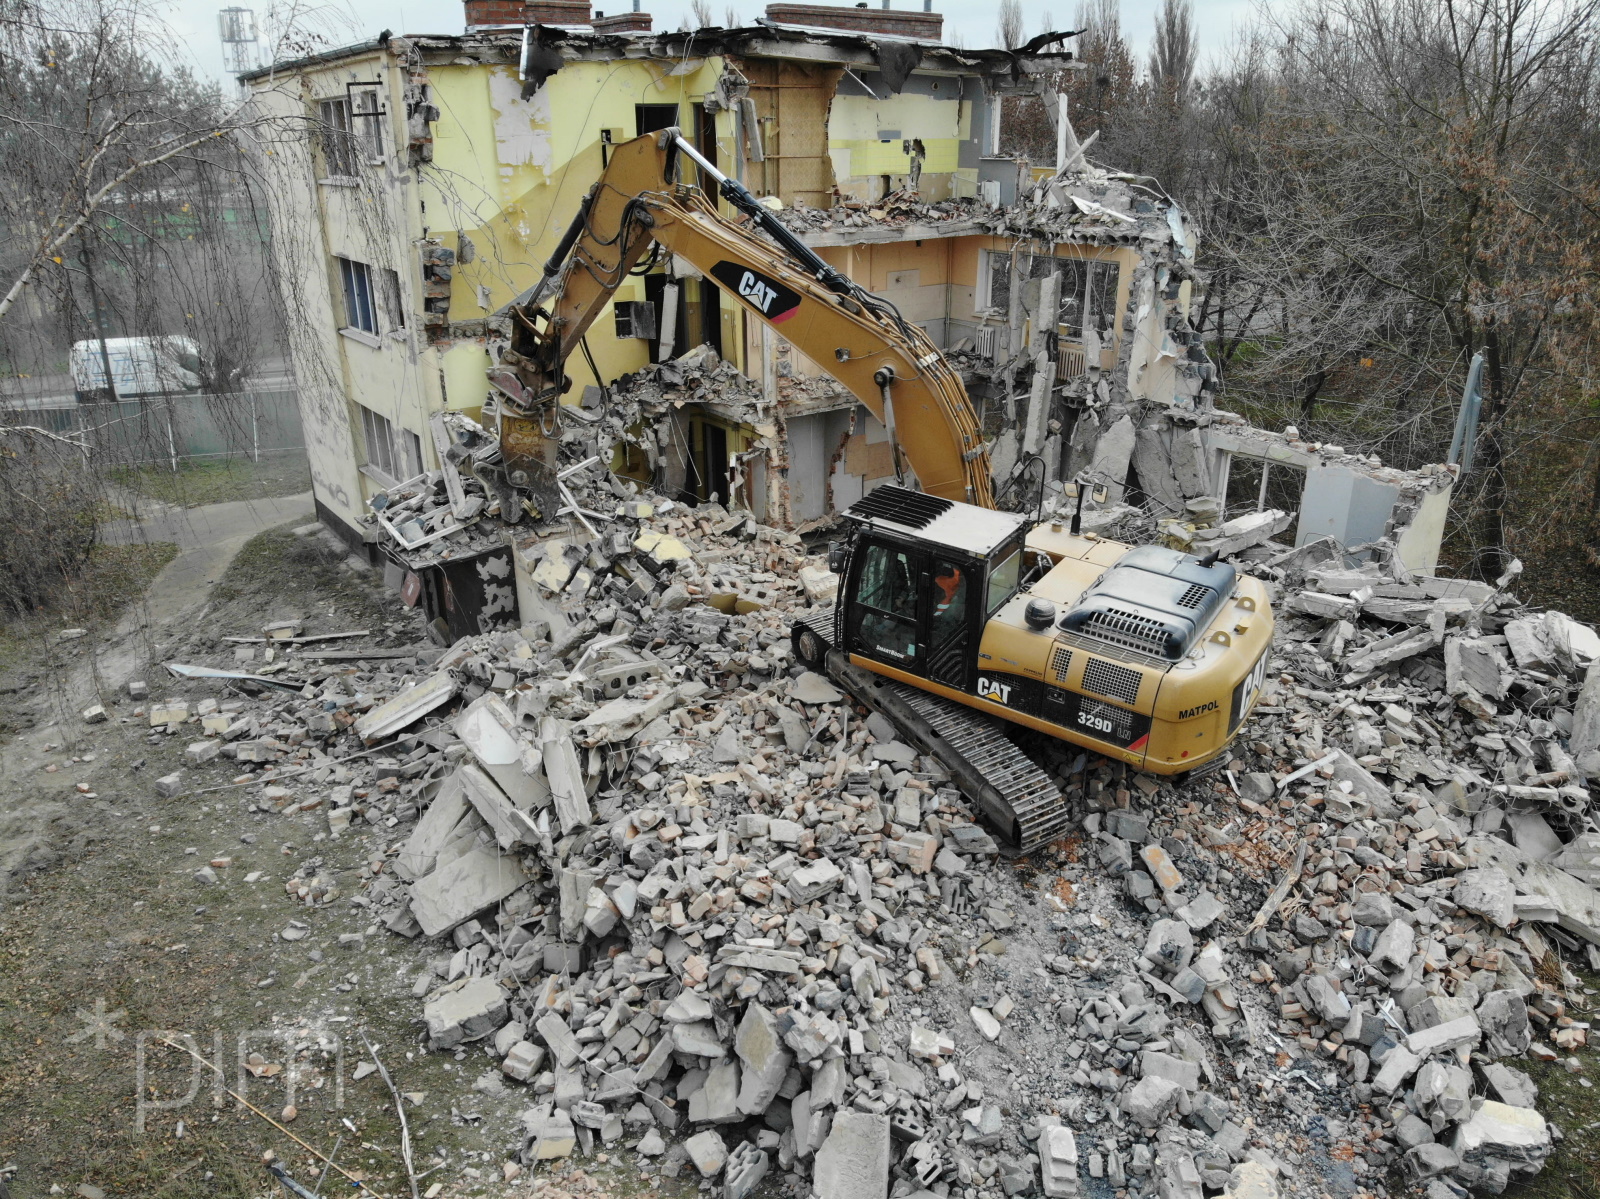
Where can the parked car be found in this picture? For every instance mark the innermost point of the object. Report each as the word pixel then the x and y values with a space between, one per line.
pixel 140 366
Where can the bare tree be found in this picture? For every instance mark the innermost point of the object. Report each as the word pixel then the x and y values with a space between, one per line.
pixel 1008 25
pixel 700 11
pixel 1175 49
pixel 85 115
pixel 730 18
pixel 1099 94
pixel 1425 186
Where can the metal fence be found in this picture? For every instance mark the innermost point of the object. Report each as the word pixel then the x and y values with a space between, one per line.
pixel 171 430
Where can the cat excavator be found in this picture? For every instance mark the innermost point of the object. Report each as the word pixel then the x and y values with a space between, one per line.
pixel 954 619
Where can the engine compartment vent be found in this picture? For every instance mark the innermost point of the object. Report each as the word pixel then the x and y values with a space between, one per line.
pixel 1112 681
pixel 1153 601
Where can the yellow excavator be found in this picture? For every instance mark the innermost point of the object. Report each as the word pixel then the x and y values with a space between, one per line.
pixel 951 614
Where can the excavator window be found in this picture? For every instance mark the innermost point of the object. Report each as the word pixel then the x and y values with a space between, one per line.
pixel 886 603
pixel 1004 579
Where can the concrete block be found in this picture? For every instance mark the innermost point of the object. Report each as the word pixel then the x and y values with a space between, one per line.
pixel 523 1061
pixel 1058 1154
pixel 1151 1100
pixel 563 1045
pixel 746 1167
pixel 814 881
pixel 708 1152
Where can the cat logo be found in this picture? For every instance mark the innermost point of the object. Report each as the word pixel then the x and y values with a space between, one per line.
pixel 757 292
pixel 766 295
pixel 989 689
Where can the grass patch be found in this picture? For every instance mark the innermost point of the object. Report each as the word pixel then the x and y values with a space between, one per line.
pixel 195 484
pixel 1573 1170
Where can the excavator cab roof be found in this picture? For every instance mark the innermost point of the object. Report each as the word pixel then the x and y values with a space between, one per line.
pixel 915 514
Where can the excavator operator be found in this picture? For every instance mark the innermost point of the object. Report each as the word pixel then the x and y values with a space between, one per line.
pixel 949 595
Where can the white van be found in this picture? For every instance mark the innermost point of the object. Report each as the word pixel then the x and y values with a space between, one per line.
pixel 140 366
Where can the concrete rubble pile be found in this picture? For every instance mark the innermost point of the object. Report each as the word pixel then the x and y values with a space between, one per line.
pixel 901 207
pixel 684 901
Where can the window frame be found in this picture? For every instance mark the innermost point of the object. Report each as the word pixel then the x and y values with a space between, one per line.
pixel 366 107
pixel 392 452
pixel 1089 296
pixel 338 137
pixel 996 574
pixel 355 284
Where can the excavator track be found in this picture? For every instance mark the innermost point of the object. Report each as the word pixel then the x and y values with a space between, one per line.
pixel 1010 789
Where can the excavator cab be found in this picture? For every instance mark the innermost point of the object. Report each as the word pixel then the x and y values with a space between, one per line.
pixel 923 576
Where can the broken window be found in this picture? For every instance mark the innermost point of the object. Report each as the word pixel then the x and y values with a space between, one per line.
pixel 393 298
pixel 635 318
pixel 1088 288
pixel 1257 484
pixel 359 310
pixel 393 452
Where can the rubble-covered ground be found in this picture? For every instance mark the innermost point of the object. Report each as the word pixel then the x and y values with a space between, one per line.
pixel 624 892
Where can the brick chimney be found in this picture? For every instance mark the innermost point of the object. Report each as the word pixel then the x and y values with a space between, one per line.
pixel 488 13
pixel 622 22
pixel 899 22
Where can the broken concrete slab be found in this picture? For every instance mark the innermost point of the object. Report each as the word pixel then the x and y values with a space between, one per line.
pixel 511 825
pixel 1577 905
pixel 766 1062
pixel 489 729
pixel 853 1162
pixel 466 1010
pixel 461 888
pixel 406 708
pixel 564 773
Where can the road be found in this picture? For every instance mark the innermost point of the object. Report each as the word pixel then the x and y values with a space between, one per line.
pixel 55 391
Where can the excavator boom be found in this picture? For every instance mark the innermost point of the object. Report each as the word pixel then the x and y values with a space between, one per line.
pixel 889 364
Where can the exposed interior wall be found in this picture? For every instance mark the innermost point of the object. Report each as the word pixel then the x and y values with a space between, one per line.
pixel 791 102
pixel 874 137
pixel 1418 544
pixel 1341 495
pixel 508 175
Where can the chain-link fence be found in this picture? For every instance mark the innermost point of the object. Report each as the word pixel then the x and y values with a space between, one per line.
pixel 171 430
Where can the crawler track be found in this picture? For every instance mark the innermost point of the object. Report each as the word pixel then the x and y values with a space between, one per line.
pixel 1011 790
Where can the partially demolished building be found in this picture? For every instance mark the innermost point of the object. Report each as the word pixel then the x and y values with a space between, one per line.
pixel 447 167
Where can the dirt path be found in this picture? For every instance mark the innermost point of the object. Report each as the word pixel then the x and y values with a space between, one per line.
pixel 38 812
pixel 208 539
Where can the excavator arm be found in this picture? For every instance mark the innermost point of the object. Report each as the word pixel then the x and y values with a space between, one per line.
pixel 889 364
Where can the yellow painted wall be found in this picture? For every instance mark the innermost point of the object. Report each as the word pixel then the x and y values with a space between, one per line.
pixel 509 174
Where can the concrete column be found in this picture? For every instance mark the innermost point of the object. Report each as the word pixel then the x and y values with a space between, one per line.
pixel 1037 426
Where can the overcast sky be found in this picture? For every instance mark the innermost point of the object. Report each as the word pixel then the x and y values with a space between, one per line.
pixel 194 22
